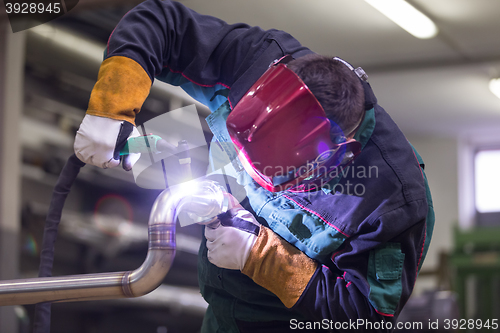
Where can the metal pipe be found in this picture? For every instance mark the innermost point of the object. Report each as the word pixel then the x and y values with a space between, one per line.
pixel 201 200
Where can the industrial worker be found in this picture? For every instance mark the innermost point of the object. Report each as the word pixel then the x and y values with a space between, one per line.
pixel 338 216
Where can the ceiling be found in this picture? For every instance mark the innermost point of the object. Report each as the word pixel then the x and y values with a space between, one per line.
pixel 437 86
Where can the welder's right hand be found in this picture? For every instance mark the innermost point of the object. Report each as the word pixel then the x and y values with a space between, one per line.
pixel 99 141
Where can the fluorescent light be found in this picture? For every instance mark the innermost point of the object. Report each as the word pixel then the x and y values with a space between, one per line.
pixel 495 87
pixel 407 17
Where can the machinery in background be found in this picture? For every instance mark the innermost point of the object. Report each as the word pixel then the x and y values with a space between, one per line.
pixel 475 262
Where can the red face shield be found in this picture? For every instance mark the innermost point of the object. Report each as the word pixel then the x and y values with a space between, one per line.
pixel 282 134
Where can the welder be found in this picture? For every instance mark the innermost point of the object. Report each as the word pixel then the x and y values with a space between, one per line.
pixel 337 217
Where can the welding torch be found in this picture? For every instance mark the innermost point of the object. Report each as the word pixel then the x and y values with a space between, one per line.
pixel 154 144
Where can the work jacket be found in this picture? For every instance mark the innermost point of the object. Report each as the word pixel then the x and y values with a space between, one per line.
pixel 368 229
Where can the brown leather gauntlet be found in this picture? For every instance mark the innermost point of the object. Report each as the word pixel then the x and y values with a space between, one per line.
pixel 279 267
pixel 122 87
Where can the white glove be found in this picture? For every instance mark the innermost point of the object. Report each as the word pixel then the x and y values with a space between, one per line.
pixel 231 238
pixel 96 140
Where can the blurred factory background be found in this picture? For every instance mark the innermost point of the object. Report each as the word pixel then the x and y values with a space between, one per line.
pixel 436 89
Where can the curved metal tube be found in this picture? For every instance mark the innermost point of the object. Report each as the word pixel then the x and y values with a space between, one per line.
pixel 203 200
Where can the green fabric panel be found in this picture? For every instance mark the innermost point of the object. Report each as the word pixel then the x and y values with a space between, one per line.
pixel 385 266
pixel 431 218
pixel 366 128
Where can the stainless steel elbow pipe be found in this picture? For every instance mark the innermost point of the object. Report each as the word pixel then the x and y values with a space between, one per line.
pixel 201 200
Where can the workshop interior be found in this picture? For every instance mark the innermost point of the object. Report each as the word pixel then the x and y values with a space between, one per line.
pixel 440 85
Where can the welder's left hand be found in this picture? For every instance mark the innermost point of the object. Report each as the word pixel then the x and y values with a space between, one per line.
pixel 237 241
pixel 231 237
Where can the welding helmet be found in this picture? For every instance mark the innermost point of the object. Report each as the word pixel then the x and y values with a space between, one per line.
pixel 282 135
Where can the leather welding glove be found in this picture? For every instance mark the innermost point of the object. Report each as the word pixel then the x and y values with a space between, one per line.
pixel 122 87
pixel 99 140
pixel 237 241
pixel 231 237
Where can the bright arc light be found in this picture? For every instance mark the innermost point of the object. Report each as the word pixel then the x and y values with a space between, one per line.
pixel 495 87
pixel 407 17
pixel 487 179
